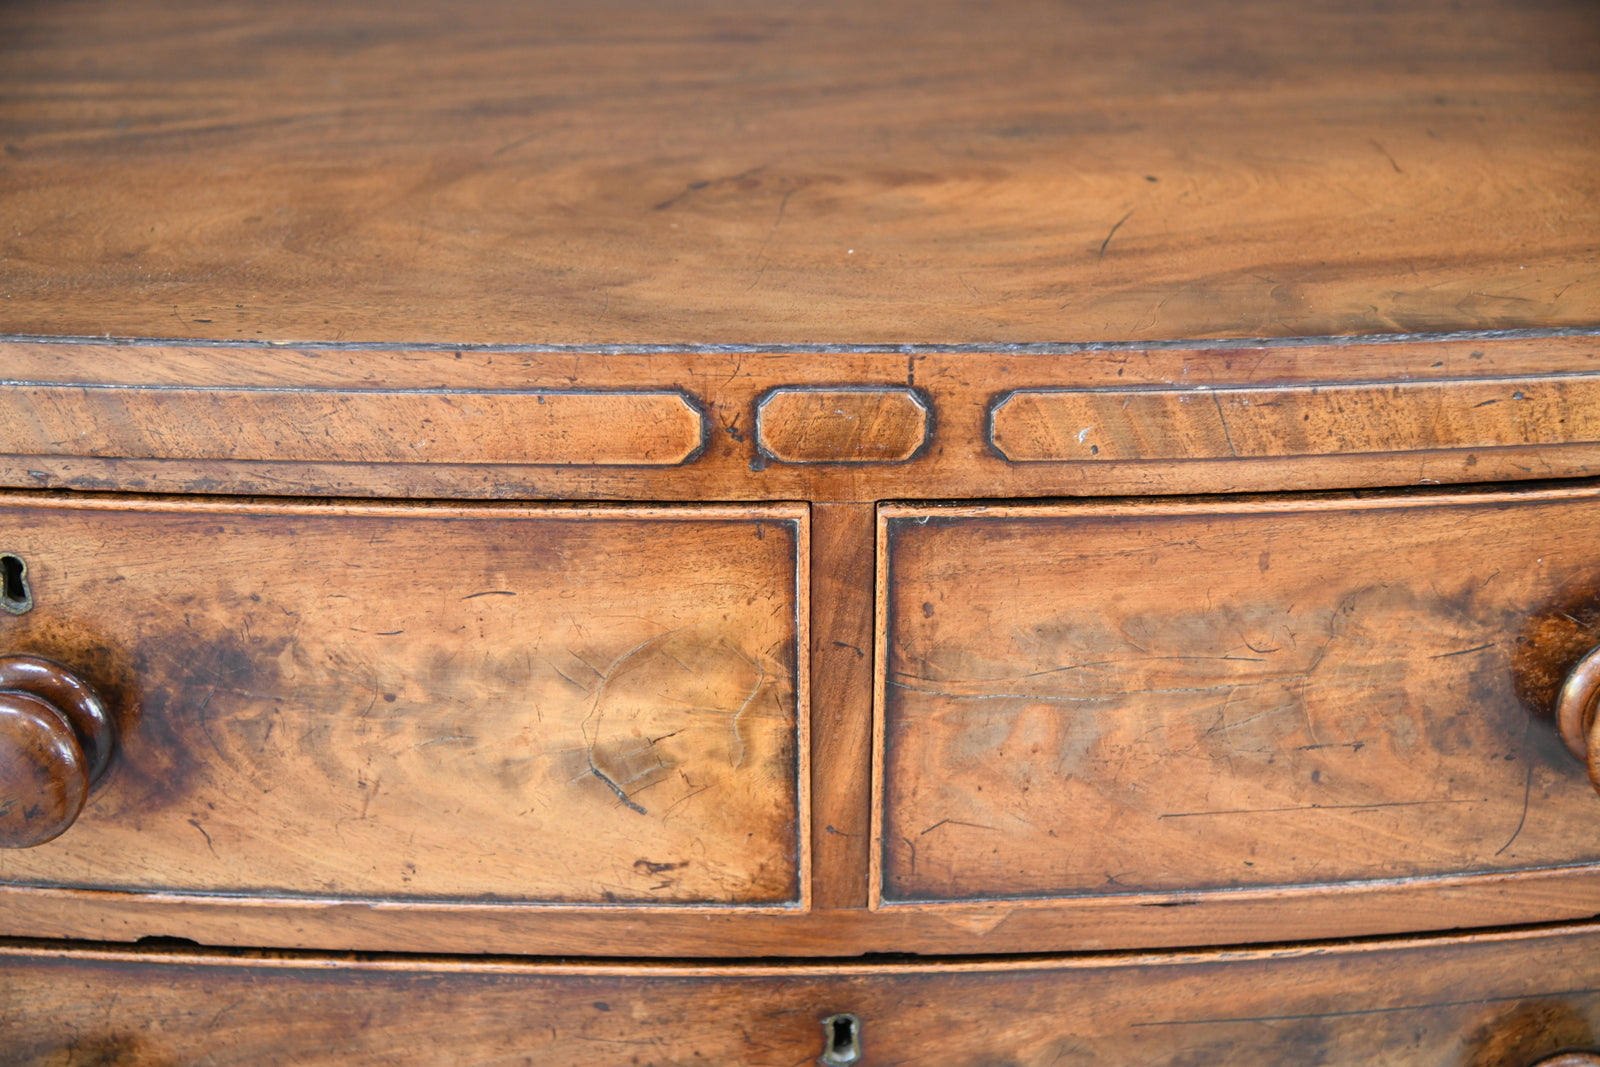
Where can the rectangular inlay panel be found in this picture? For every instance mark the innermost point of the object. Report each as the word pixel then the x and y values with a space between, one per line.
pixel 862 424
pixel 1043 425
pixel 526 704
pixel 553 428
pixel 1161 697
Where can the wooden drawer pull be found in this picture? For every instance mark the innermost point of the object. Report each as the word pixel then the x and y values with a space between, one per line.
pixel 55 741
pixel 1570 1059
pixel 1576 717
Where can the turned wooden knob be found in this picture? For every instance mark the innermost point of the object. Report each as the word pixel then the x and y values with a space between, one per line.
pixel 55 740
pixel 1570 1059
pixel 1575 712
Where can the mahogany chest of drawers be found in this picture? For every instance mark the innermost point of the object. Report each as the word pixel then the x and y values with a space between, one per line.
pixel 743 534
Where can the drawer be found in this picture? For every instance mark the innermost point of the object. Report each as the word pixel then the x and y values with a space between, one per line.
pixel 526 705
pixel 1194 700
pixel 1503 1000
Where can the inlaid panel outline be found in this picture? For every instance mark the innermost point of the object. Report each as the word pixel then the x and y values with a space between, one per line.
pixel 795 514
pixel 1575 874
pixel 1412 390
pixel 918 397
pixel 695 408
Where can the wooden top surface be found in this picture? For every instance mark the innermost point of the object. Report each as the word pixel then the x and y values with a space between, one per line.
pixel 712 171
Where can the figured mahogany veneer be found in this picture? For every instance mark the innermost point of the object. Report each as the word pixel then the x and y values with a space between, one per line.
pixel 1264 422
pixel 535 704
pixel 1100 497
pixel 867 424
pixel 612 428
pixel 1089 699
pixel 856 426
pixel 485 172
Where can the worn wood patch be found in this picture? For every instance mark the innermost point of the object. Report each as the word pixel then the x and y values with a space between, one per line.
pixel 861 425
pixel 1486 1001
pixel 583 706
pixel 1034 425
pixel 1105 699
pixel 349 426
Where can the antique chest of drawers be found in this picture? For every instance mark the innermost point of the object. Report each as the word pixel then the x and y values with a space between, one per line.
pixel 728 533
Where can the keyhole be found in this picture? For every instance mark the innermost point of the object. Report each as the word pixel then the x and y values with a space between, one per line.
pixel 15 596
pixel 841 1040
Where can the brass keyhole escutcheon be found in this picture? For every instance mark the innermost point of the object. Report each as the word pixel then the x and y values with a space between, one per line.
pixel 841 1040
pixel 15 596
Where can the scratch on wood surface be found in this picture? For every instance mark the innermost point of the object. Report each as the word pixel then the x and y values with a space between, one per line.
pixel 594 715
pixel 694 187
pixel 1050 698
pixel 196 824
pixel 738 740
pixel 662 680
pixel 1222 416
pixel 1319 807
pixel 1115 227
pixel 953 822
pixel 1527 794
pixel 761 253
pixel 1379 146
pixel 452 739
pixel 622 794
pixel 1464 651
pixel 682 800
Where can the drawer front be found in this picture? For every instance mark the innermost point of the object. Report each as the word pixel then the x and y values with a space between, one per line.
pixel 529 705
pixel 1498 1001
pixel 1097 700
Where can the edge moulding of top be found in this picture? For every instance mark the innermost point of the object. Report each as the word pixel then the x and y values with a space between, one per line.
pixel 975 347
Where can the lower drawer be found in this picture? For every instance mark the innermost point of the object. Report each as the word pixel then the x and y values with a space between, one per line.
pixel 1487 1000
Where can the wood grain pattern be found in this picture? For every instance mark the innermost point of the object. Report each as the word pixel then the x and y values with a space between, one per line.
pixel 1504 1000
pixel 566 705
pixel 627 172
pixel 1104 699
pixel 961 387
pixel 1122 921
pixel 842 606
pixel 860 425
pixel 1038 426
pixel 314 426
